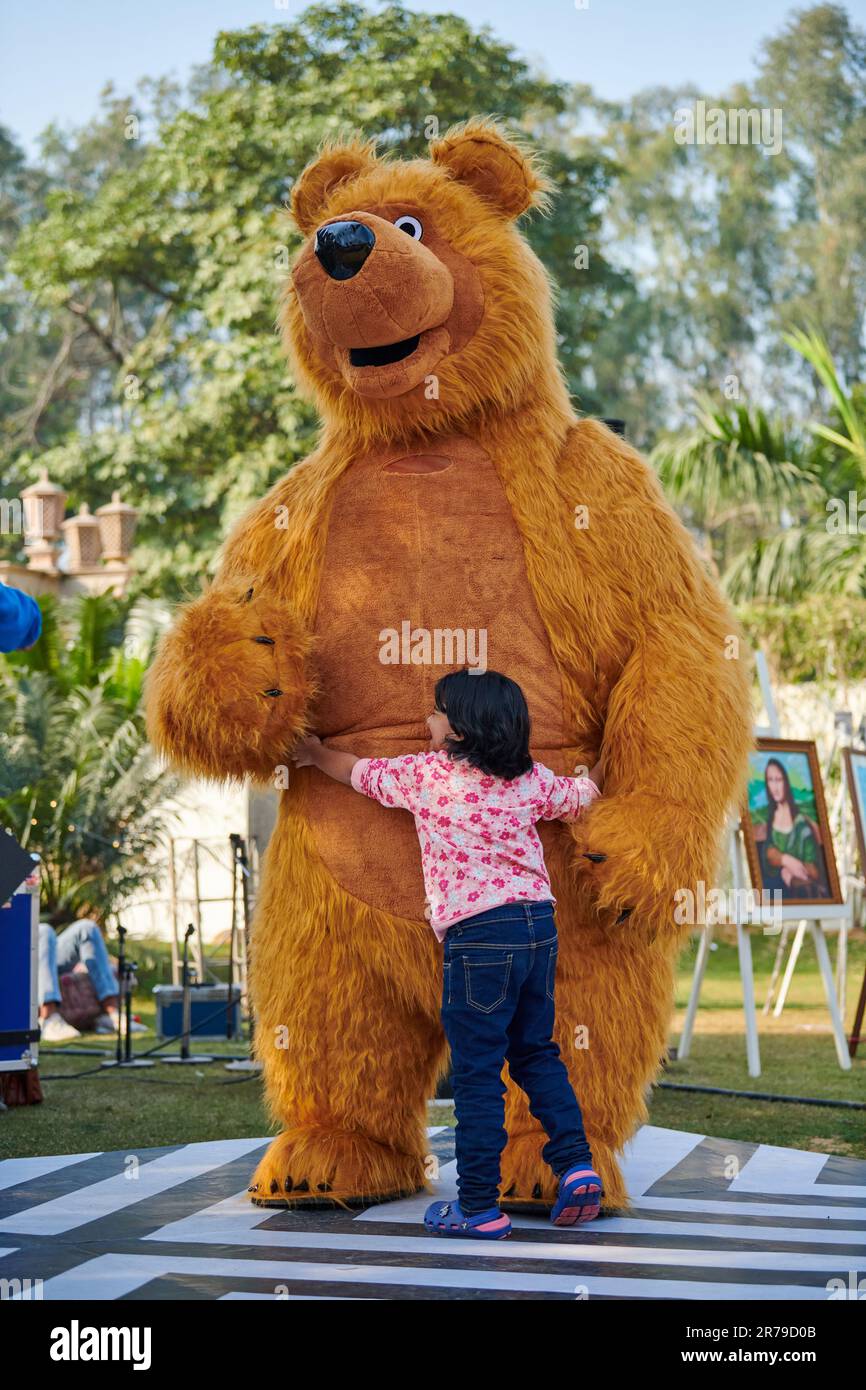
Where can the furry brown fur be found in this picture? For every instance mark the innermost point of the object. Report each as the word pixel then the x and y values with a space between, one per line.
pixel 444 492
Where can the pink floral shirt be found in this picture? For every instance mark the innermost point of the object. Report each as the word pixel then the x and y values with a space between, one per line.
pixel 479 845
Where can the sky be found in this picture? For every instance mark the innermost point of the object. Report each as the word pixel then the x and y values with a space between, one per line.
pixel 55 56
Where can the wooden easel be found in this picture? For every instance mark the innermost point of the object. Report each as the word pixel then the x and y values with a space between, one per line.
pixel 811 918
pixel 856 1033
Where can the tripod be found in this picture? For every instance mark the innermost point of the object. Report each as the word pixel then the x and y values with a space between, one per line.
pixel 126 969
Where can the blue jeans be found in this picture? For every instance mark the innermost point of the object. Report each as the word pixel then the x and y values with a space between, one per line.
pixel 83 941
pixel 497 1006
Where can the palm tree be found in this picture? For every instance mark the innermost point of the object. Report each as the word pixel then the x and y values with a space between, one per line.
pixel 765 498
pixel 851 439
pixel 78 781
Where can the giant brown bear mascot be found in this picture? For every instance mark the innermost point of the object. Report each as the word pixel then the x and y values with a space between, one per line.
pixel 453 488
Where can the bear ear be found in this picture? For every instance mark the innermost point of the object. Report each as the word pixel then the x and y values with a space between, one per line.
pixel 499 169
pixel 334 164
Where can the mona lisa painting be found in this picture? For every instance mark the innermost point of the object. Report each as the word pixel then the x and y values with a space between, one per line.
pixel 785 824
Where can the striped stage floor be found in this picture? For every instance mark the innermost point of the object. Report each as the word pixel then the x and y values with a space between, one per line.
pixel 712 1219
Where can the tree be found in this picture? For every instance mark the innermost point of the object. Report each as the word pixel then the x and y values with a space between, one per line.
pixel 172 259
pixel 773 501
pixel 33 348
pixel 814 71
pixel 137 344
pixel 699 226
pixel 727 243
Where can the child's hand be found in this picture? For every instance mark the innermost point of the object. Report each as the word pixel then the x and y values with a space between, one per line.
pixel 312 752
pixel 304 754
pixel 596 775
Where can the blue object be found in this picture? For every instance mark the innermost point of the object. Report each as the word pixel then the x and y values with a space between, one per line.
pixel 497 1005
pixel 208 1010
pixel 20 619
pixel 60 952
pixel 571 1203
pixel 18 1006
pixel 449 1219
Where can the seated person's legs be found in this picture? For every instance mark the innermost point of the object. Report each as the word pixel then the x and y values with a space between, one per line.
pixel 53 1025
pixel 49 982
pixel 80 943
pixel 83 941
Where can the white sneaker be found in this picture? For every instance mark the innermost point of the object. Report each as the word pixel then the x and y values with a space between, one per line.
pixel 107 1023
pixel 55 1029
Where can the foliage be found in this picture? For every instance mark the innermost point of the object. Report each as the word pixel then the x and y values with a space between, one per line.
pixel 814 71
pixel 78 782
pixel 173 260
pixel 780 507
pixel 818 639
pixel 730 243
pixel 146 252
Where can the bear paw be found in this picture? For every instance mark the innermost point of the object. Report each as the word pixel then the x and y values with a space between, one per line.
pixel 313 1166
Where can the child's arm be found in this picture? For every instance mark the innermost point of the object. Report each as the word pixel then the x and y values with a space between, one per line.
pixel 311 752
pixel 391 781
pixel 567 797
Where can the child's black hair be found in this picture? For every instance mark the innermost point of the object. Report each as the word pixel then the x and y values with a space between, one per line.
pixel 489 713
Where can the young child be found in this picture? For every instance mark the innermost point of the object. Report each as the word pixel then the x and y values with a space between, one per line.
pixel 476 798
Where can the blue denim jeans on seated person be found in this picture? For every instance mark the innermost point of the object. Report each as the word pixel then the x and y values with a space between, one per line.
pixel 59 953
pixel 497 1005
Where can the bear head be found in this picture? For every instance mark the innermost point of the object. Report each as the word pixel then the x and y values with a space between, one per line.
pixel 414 302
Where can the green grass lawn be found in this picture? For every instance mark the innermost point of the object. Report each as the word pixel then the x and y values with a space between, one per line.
pixel 172 1105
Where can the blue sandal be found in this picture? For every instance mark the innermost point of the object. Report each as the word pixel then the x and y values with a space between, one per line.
pixel 579 1200
pixel 447 1219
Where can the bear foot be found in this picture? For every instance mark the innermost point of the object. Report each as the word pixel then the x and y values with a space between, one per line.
pixel 528 1185
pixel 313 1166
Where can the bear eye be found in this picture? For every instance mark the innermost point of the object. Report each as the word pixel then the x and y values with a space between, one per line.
pixel 410 225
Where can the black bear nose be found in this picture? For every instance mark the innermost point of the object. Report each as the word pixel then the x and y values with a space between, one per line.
pixel 343 247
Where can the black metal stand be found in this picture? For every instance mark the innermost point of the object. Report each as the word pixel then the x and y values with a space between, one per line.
pixel 237 851
pixel 126 969
pixel 240 862
pixel 185 1056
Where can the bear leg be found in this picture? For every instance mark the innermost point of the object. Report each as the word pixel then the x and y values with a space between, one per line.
pixel 363 1138
pixel 321 1165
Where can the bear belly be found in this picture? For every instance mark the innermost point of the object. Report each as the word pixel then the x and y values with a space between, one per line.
pixel 429 540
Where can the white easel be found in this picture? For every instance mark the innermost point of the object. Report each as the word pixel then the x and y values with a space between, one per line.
pixel 811 918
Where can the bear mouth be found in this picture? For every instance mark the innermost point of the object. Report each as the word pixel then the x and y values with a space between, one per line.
pixel 382 356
